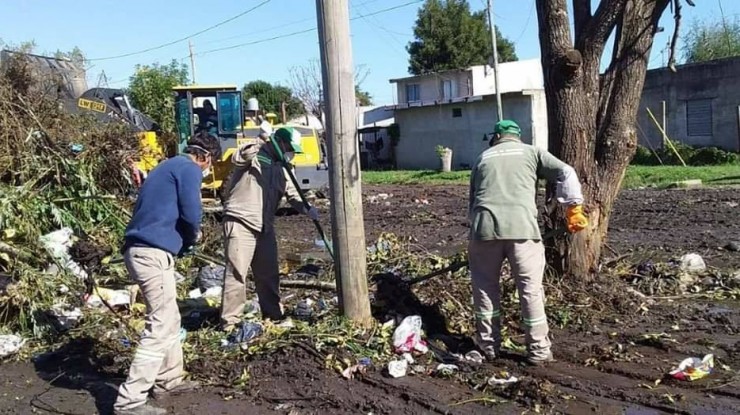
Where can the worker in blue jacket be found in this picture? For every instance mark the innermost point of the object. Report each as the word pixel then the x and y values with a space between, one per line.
pixel 165 224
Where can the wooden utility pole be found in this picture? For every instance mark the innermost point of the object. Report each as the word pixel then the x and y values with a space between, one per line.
pixel 192 61
pixel 283 112
pixel 348 229
pixel 494 44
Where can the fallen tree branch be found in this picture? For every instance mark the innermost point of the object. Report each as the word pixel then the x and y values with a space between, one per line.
pixel 318 285
pixel 16 252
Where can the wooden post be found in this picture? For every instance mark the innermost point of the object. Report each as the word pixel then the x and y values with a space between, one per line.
pixel 283 112
pixel 494 45
pixel 348 229
pixel 192 62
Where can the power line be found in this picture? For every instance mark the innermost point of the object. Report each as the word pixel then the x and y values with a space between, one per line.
pixel 526 25
pixel 183 38
pixel 304 31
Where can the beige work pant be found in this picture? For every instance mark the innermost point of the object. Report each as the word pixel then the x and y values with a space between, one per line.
pixel 158 359
pixel 527 260
pixel 245 248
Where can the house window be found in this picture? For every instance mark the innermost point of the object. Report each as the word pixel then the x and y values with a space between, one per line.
pixel 456 112
pixel 699 117
pixel 447 89
pixel 413 93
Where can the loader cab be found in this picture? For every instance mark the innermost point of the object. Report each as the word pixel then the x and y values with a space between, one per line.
pixel 216 109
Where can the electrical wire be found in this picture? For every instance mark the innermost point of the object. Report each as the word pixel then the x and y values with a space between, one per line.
pixel 303 31
pixel 182 39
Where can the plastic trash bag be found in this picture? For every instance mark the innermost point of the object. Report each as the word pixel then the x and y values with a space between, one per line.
pixel 10 343
pixel 245 332
pixel 693 368
pixel 407 336
pixel 211 276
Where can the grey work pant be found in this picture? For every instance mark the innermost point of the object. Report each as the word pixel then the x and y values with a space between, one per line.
pixel 527 260
pixel 158 358
pixel 246 248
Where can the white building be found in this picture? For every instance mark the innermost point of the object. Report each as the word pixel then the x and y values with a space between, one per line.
pixel 457 109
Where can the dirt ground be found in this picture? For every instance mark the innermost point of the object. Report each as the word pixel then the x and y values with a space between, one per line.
pixel 609 367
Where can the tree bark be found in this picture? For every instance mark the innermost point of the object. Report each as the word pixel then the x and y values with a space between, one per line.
pixel 592 117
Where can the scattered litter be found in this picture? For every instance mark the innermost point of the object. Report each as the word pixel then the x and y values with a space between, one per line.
pixel 421 201
pixel 446 370
pixel 646 268
pixel 183 334
pixel 304 309
pixel 732 246
pixel 693 368
pixel 360 367
pixel 179 277
pixel 692 263
pixel 211 276
pixel 407 336
pixel 10 343
pixel 398 368
pixel 67 319
pixel 57 243
pixel 245 332
pixel 418 369
pixel 213 292
pixel 195 293
pixel 474 356
pixel 408 358
pixel 113 297
pixel 307 271
pixel 320 243
pixel 505 378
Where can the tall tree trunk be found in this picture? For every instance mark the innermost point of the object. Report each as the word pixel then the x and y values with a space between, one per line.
pixel 592 117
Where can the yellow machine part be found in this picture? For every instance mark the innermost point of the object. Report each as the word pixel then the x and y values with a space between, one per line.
pixel 151 152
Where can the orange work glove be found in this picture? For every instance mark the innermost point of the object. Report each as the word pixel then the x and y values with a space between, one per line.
pixel 577 221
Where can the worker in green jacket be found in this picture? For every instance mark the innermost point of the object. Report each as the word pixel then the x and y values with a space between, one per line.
pixel 503 225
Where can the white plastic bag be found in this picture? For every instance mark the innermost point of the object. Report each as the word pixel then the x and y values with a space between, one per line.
pixel 10 343
pixel 407 336
pixel 58 244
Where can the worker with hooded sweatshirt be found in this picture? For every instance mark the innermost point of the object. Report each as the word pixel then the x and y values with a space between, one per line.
pixel 165 223
pixel 259 181
pixel 503 225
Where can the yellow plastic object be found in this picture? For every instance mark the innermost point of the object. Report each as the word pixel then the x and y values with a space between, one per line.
pixel 151 152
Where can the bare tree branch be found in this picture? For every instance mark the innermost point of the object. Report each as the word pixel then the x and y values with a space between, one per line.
pixel 674 38
pixel 581 15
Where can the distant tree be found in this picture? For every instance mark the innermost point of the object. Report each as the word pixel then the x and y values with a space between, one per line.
pixel 363 97
pixel 75 55
pixel 713 40
pixel 307 85
pixel 450 36
pixel 150 89
pixel 271 96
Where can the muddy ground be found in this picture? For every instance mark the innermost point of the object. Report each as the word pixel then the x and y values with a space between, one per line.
pixel 609 366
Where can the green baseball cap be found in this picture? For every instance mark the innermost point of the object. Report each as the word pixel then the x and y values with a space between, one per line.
pixel 291 136
pixel 507 127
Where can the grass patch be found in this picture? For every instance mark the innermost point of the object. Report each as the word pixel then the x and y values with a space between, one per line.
pixel 637 176
pixel 663 176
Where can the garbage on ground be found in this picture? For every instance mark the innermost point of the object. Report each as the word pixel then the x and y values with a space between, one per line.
pixel 245 332
pixel 398 368
pixel 213 292
pixel 183 334
pixel 474 356
pixel 307 271
pixel 304 309
pixel 418 369
pixel 692 263
pixel 407 336
pixel 57 243
pixel 211 276
pixel 693 368
pixel 503 379
pixel 10 343
pixel 446 370
pixel 408 357
pixel 732 246
pixel 113 297
pixel 66 319
pixel 360 367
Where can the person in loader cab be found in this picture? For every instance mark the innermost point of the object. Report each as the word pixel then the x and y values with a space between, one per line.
pixel 503 225
pixel 259 181
pixel 165 224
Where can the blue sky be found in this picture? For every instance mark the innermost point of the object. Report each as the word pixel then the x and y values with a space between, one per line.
pixel 105 28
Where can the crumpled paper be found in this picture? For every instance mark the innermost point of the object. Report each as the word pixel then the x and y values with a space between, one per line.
pixel 693 368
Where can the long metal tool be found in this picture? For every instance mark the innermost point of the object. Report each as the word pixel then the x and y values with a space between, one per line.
pixel 303 198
